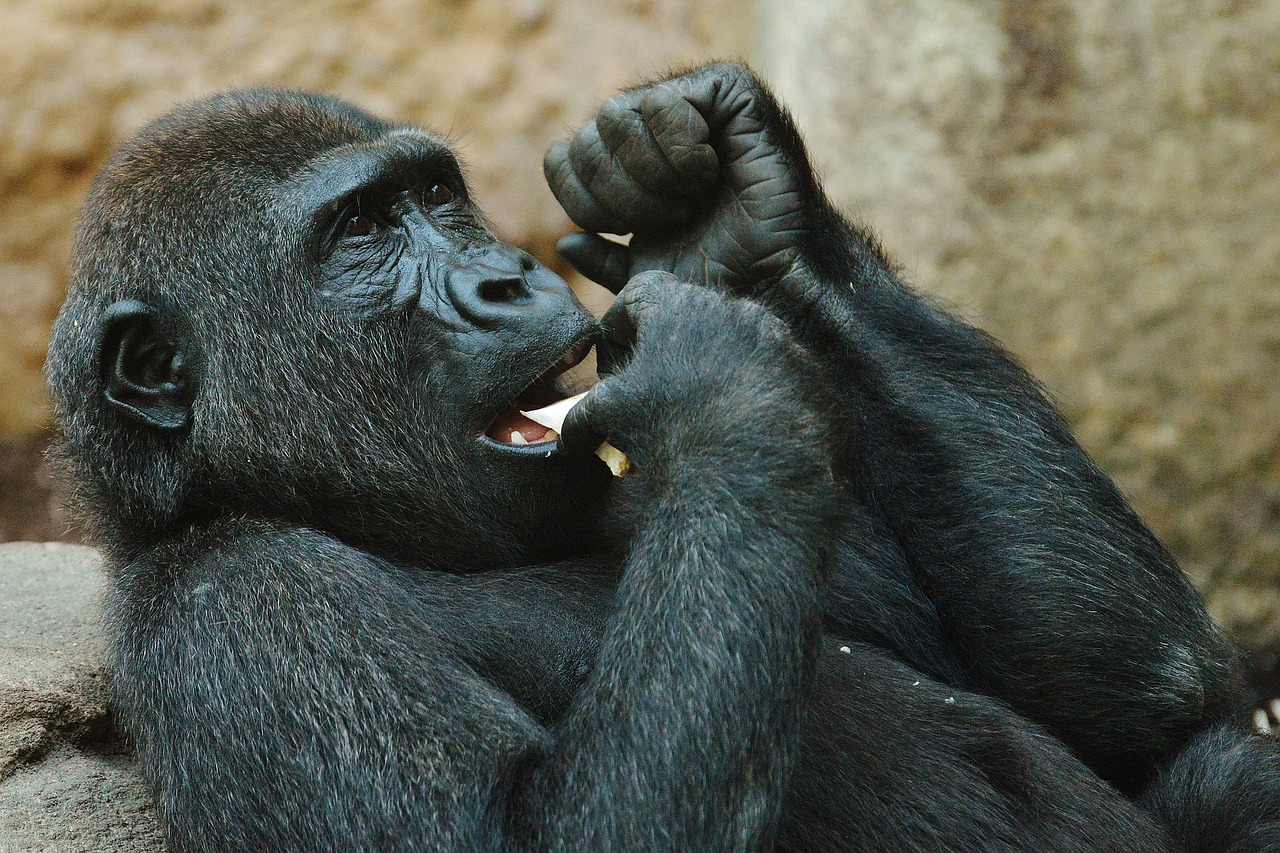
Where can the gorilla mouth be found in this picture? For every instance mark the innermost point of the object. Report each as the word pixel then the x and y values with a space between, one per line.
pixel 512 429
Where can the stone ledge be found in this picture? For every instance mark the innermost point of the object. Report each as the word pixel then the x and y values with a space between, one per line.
pixel 67 783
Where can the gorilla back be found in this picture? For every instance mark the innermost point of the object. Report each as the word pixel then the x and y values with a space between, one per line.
pixel 359 602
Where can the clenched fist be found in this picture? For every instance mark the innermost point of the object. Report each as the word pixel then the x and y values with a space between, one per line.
pixel 704 170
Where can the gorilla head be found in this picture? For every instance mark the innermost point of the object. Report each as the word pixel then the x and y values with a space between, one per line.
pixel 222 298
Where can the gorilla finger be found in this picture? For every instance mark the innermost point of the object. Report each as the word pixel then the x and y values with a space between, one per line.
pixel 583 429
pixel 603 261
pixel 628 137
pixel 574 197
pixel 720 93
pixel 617 340
pixel 682 134
pixel 637 304
pixel 615 190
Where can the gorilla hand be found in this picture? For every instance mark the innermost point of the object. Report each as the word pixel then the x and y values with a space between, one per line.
pixel 689 374
pixel 704 170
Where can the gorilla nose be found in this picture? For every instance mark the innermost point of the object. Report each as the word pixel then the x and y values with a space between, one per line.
pixel 500 284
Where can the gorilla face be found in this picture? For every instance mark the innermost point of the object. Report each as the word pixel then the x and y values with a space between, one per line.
pixel 396 233
pixel 316 321
pixel 486 331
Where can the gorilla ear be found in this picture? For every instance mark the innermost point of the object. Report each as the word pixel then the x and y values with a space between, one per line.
pixel 142 369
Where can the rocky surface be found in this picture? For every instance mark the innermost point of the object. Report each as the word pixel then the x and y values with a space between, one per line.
pixel 1097 183
pixel 67 784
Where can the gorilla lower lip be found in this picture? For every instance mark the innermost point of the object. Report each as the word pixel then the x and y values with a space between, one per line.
pixel 511 427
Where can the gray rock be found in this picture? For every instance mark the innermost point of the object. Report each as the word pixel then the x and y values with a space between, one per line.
pixel 77 801
pixel 66 782
pixel 51 678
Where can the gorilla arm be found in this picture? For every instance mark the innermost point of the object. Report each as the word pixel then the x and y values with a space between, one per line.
pixel 692 719
pixel 1057 597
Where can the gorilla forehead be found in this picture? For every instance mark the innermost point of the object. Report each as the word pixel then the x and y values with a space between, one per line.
pixel 258 133
pixel 214 158
pixel 231 184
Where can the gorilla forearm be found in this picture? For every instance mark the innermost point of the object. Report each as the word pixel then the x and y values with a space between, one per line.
pixel 1019 537
pixel 704 647
pixel 717 608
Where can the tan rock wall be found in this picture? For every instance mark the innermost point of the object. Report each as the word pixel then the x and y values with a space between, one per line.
pixel 502 77
pixel 1097 182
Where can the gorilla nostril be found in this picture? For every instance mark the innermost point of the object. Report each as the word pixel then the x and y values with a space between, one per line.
pixel 497 284
pixel 503 290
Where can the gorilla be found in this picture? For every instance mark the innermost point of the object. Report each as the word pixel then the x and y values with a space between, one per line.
pixel 863 591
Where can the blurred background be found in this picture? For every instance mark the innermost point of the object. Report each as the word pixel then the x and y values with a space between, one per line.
pixel 1096 182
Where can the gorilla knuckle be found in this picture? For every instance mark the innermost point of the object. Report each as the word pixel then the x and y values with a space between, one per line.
pixel 619 113
pixel 672 117
pixel 645 290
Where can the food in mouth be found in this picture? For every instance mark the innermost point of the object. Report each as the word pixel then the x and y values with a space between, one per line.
pixel 552 418
pixel 512 427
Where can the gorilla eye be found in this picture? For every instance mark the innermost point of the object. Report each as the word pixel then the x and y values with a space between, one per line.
pixel 359 225
pixel 438 194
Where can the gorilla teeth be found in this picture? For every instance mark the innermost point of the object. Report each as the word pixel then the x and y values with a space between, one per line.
pixel 517 437
pixel 552 417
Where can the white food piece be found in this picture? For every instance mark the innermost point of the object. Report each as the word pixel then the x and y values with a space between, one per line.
pixel 552 417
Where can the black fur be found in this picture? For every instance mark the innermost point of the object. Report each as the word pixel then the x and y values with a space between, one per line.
pixel 864 592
